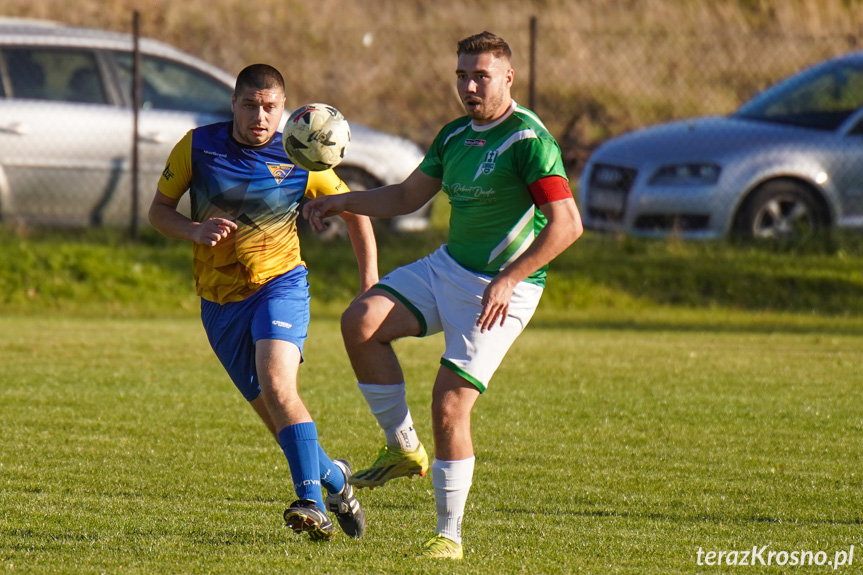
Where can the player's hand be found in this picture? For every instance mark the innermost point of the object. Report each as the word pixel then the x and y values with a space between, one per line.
pixel 316 210
pixel 210 232
pixel 495 303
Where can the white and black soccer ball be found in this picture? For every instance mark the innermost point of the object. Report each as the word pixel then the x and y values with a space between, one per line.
pixel 316 137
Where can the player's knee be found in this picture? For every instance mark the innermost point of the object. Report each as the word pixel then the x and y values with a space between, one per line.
pixel 447 410
pixel 358 323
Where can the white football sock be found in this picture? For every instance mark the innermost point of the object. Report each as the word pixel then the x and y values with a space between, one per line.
pixel 388 405
pixel 451 481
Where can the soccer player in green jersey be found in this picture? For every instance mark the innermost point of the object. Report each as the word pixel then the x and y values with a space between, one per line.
pixel 512 213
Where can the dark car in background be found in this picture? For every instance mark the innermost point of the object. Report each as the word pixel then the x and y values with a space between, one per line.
pixel 786 164
pixel 66 124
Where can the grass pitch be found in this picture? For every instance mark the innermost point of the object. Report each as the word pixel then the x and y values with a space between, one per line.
pixel 601 447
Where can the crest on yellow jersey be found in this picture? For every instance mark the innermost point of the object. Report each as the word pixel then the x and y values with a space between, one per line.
pixel 280 171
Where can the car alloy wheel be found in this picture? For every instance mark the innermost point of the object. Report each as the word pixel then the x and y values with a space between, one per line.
pixel 781 210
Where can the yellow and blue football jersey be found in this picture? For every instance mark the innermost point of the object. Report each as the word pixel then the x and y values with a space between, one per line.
pixel 259 189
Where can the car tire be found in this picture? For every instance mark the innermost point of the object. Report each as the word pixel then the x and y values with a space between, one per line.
pixel 781 210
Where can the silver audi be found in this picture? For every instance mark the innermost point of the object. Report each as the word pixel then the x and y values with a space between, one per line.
pixel 786 164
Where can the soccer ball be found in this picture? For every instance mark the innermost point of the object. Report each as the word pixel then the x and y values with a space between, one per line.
pixel 316 137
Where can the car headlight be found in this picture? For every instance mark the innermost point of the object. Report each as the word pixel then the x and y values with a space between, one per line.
pixel 686 175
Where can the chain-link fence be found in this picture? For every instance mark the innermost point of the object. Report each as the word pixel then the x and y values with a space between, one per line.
pixel 65 121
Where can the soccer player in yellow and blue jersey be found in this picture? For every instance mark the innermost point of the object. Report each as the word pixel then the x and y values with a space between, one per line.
pixel 245 194
pixel 512 213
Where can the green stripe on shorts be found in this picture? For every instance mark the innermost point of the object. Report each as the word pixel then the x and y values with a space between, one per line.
pixel 413 309
pixel 459 371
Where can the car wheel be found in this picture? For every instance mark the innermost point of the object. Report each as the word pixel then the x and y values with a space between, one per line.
pixel 781 209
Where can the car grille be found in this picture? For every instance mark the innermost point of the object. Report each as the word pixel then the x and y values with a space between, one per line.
pixel 672 222
pixel 608 189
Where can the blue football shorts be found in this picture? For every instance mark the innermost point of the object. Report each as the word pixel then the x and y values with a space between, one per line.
pixel 278 310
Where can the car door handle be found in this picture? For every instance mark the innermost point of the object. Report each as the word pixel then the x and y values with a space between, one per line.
pixel 153 138
pixel 16 128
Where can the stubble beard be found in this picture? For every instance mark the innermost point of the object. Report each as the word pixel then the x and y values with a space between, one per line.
pixel 488 110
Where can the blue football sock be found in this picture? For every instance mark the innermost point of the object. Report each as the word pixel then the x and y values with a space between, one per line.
pixel 300 444
pixel 331 476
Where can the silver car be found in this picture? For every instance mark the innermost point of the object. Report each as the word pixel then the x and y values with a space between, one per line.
pixel 66 124
pixel 787 163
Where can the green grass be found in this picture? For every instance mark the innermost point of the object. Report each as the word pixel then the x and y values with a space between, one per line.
pixel 102 273
pixel 668 397
pixel 599 449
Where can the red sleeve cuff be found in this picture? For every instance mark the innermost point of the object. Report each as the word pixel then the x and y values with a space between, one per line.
pixel 549 189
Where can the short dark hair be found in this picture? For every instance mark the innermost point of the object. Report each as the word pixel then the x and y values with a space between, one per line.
pixel 485 42
pixel 259 77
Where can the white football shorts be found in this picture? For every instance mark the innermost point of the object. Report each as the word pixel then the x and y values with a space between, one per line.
pixel 444 296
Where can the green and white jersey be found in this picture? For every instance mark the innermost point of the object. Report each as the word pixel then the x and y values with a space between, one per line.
pixel 485 172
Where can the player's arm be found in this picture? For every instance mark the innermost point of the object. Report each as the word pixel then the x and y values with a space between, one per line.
pixel 173 183
pixel 362 237
pixel 563 227
pixel 384 202
pixel 165 218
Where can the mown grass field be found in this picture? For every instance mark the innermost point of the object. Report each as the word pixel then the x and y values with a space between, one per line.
pixel 600 449
pixel 669 398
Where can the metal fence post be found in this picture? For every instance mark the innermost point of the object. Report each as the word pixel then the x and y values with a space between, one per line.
pixel 136 107
pixel 531 96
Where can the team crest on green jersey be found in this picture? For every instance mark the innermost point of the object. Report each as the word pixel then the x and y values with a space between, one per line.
pixel 280 171
pixel 487 166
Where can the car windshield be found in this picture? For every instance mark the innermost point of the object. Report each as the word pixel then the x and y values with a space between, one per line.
pixel 169 85
pixel 820 98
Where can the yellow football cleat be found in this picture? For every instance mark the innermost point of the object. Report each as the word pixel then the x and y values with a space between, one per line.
pixel 439 547
pixel 392 463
